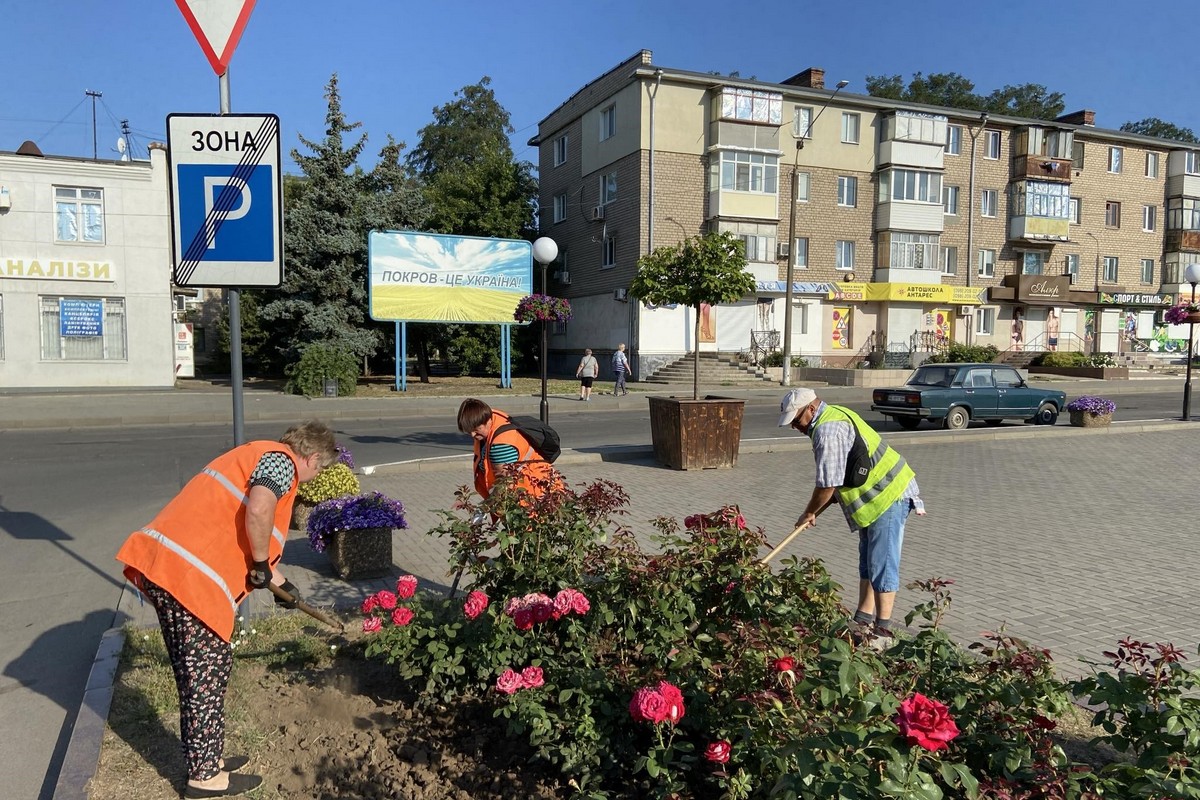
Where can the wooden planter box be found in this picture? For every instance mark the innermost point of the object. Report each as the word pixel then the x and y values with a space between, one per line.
pixel 696 434
pixel 361 553
pixel 1086 419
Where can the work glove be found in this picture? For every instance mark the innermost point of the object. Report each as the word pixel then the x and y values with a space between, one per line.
pixel 259 576
pixel 293 591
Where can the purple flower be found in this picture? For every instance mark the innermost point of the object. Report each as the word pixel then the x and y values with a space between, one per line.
pixel 345 457
pixel 1092 405
pixel 542 308
pixel 374 510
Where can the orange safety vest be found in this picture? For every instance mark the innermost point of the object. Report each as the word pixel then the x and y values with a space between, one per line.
pixel 198 548
pixel 533 466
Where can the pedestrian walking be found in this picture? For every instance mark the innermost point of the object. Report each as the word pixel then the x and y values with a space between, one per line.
pixel 620 368
pixel 218 540
pixel 587 371
pixel 875 488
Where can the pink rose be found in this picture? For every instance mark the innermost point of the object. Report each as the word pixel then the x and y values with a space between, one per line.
pixel 508 682
pixel 718 751
pixel 372 624
pixel 523 619
pixel 674 700
pixel 476 602
pixel 402 616
pixel 563 603
pixel 370 604
pixel 406 587
pixel 926 723
pixel 648 705
pixel 513 605
pixel 531 677
pixel 387 600
pixel 580 604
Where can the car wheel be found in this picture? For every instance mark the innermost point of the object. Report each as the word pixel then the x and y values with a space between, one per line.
pixel 957 419
pixel 908 423
pixel 1047 414
pixel 994 423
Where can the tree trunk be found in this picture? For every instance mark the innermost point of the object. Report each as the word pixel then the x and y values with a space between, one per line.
pixel 696 361
pixel 423 360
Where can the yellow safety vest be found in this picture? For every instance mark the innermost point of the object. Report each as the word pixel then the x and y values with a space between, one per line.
pixel 887 480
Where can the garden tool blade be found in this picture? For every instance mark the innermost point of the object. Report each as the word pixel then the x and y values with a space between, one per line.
pixel 315 613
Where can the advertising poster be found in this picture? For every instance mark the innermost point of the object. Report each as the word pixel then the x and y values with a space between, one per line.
pixel 185 359
pixel 841 329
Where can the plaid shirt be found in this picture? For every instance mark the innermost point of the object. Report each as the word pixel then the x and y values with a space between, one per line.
pixel 831 442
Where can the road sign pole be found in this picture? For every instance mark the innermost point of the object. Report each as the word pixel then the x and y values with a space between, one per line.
pixel 235 322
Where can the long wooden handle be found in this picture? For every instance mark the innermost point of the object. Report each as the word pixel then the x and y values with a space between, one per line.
pixel 785 542
pixel 315 613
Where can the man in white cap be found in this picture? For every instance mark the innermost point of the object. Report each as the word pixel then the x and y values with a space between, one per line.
pixel 875 487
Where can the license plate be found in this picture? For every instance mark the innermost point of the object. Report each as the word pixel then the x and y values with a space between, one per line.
pixel 896 398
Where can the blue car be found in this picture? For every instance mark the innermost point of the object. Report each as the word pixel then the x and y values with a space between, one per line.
pixel 952 395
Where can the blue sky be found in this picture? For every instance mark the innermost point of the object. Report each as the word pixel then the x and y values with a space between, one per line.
pixel 397 60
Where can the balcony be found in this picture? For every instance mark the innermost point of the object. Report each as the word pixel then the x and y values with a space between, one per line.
pixel 1182 242
pixel 1042 168
pixel 1038 229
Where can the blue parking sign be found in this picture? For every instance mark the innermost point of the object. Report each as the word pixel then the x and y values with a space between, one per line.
pixel 244 231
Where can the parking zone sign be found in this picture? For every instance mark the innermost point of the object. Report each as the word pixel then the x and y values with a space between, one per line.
pixel 226 200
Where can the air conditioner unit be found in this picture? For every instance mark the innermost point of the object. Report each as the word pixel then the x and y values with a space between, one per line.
pixel 597 213
pixel 783 250
pixel 564 278
pixel 620 294
pixel 964 311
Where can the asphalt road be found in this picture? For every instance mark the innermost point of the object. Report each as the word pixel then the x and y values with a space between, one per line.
pixel 68 498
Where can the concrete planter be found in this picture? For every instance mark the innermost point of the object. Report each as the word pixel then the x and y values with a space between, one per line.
pixel 361 553
pixel 1104 373
pixel 850 377
pixel 1086 419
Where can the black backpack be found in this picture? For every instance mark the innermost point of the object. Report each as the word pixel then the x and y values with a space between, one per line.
pixel 543 438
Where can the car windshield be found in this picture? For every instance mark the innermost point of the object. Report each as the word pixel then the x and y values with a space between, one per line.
pixel 933 376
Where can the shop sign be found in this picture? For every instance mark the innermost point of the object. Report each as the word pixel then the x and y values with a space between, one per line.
pixel 907 292
pixel 797 288
pixel 56 270
pixel 1136 299
pixel 1046 288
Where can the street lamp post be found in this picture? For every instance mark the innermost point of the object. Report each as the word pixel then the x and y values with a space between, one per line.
pixel 1192 276
pixel 545 250
pixel 791 269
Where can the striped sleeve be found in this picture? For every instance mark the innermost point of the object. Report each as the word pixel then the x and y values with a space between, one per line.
pixel 500 453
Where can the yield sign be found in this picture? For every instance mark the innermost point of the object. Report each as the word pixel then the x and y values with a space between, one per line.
pixel 218 25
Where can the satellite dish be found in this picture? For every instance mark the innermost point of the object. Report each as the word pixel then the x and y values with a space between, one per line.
pixel 121 148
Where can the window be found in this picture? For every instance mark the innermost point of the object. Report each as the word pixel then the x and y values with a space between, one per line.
pixel 747 172
pixel 83 329
pixel 1006 378
pixel 1077 155
pixel 751 105
pixel 1073 268
pixel 847 191
pixel 991 145
pixel 850 127
pixel 800 253
pixel 1147 270
pixel 560 150
pixel 987 263
pixel 608 188
pixel 1183 214
pixel 608 123
pixel 802 122
pixel 845 254
pixel 910 185
pixel 987 203
pixel 985 321
pixel 1041 199
pixel 1112 214
pixel 759 248
pixel 950 200
pixel 1148 217
pixel 913 250
pixel 78 214
pixel 1074 209
pixel 610 252
pixel 953 140
pixel 1115 154
pixel 1191 163
pixel 1151 165
pixel 949 260
pixel 1110 269
pixel 560 207
pixel 1033 263
pixel 803 186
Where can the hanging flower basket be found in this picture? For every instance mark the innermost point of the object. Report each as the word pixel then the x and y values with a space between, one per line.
pixel 1182 314
pixel 543 308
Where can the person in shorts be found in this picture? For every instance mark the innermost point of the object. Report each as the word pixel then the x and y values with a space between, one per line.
pixel 587 371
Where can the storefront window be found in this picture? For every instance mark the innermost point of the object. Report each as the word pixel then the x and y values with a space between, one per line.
pixel 83 329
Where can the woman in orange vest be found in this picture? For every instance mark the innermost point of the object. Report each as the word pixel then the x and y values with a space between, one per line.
pixel 495 448
pixel 217 541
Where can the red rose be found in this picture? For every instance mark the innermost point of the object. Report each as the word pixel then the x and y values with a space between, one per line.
pixel 542 611
pixel 926 723
pixel 785 664
pixel 674 700
pixel 648 705
pixel 508 682
pixel 1042 722
pixel 476 602
pixel 387 600
pixel 718 751
pixel 406 586
pixel 402 616
pixel 531 677
pixel 372 624
pixel 513 605
pixel 523 619
pixel 370 604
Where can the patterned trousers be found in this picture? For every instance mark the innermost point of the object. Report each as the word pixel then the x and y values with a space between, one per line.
pixel 202 661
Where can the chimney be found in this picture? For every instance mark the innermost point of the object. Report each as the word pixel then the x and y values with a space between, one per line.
pixel 28 148
pixel 1084 117
pixel 811 78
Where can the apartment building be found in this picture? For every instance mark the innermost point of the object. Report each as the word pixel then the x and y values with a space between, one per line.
pixel 900 224
pixel 85 272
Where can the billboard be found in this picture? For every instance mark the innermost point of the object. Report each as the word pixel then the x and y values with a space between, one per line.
pixel 431 277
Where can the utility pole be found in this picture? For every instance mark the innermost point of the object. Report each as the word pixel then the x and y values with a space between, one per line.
pixel 93 95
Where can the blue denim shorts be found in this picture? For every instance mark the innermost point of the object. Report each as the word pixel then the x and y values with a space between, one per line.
pixel 879 548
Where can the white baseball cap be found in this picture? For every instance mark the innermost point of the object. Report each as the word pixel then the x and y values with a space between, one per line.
pixel 792 403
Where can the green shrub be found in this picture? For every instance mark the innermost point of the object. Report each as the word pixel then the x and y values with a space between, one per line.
pixel 959 352
pixel 775 359
pixel 1059 360
pixel 319 362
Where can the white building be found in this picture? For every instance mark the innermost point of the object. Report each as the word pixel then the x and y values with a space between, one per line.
pixel 85 272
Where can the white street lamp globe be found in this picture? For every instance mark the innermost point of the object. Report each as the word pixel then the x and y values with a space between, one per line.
pixel 1190 275
pixel 545 250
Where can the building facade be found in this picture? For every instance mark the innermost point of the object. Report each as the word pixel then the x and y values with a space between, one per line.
pixel 902 225
pixel 85 272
